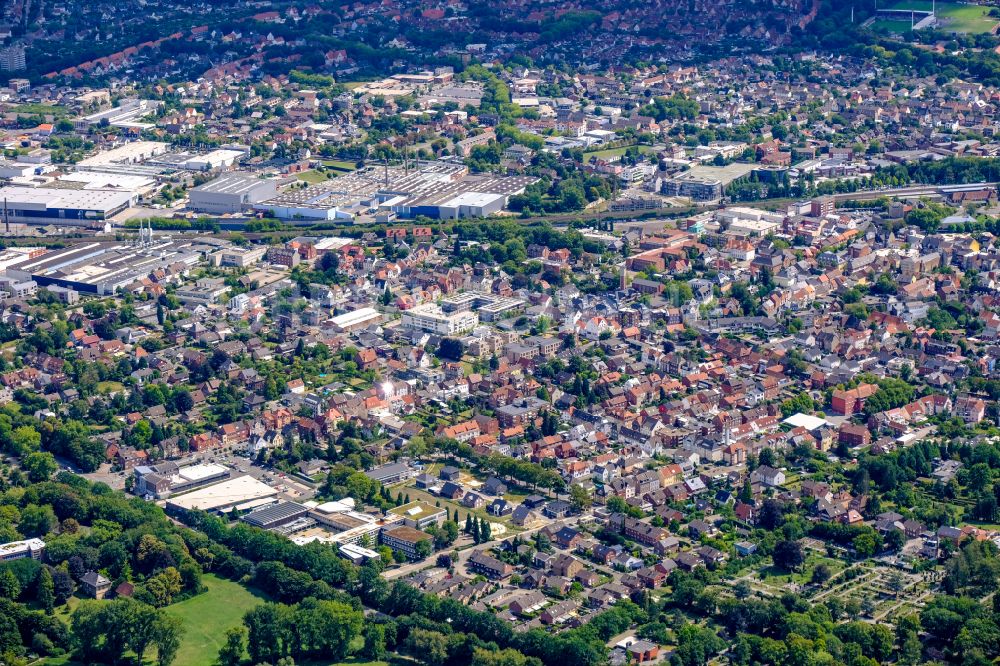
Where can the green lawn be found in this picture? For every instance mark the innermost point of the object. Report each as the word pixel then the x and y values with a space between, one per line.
pixel 775 575
pixel 312 176
pixel 888 26
pixel 614 152
pixel 109 387
pixel 953 16
pixel 340 165
pixel 207 617
pixel 44 109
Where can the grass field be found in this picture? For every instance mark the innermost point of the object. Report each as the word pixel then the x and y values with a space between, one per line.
pixel 887 26
pixel 340 165
pixel 615 152
pixel 953 16
pixel 44 109
pixel 207 617
pixel 312 176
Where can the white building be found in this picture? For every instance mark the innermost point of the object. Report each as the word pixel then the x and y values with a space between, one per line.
pixel 19 550
pixel 431 318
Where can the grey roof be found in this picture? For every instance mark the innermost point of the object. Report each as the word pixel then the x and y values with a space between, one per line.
pixel 275 513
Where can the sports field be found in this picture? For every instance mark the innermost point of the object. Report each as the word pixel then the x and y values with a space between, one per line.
pixel 952 16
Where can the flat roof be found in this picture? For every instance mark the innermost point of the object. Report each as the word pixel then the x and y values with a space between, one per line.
pixel 131 152
pixel 19 546
pixel 201 471
pixel 805 421
pixel 225 494
pixel 725 174
pixel 416 509
pixel 355 317
pixel 44 198
pixel 231 183
pixel 264 516
pixel 358 551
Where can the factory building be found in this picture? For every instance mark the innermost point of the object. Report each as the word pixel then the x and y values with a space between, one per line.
pixel 439 190
pixel 50 205
pixel 104 268
pixel 231 193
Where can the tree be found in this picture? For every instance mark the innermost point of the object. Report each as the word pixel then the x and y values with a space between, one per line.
pixel 106 632
pixel 697 645
pixel 866 544
pixel 37 520
pixel 323 628
pixel 820 574
pixel 268 632
pixel 788 555
pixel 160 589
pixel 183 402
pixel 374 648
pixel 10 587
pixel 39 465
pixel 895 540
pixel 896 582
pixel 24 440
pixel 506 657
pixel 430 647
pixel 422 548
pixel 45 594
pixel 167 632
pixel 910 649
pixel 231 652
pixel 450 348
pixel 580 497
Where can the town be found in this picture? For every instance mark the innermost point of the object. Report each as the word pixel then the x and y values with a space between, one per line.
pixel 406 334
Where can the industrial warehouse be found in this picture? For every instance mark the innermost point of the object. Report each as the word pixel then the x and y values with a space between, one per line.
pixel 231 193
pixel 438 190
pixel 75 207
pixel 103 268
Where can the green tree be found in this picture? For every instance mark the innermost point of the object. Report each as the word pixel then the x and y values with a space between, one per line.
pixel 427 646
pixel 374 648
pixel 45 594
pixel 580 497
pixel 231 652
pixel 167 632
pixel 39 465
pixel 37 520
pixel 10 587
pixel 422 549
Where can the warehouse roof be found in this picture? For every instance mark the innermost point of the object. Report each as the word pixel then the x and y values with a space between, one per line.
pixel 223 495
pixel 275 513
pixel 50 197
pixel 231 183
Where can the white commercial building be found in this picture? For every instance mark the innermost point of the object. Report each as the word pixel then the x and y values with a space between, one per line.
pixel 243 492
pixel 431 318
pixel 19 550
